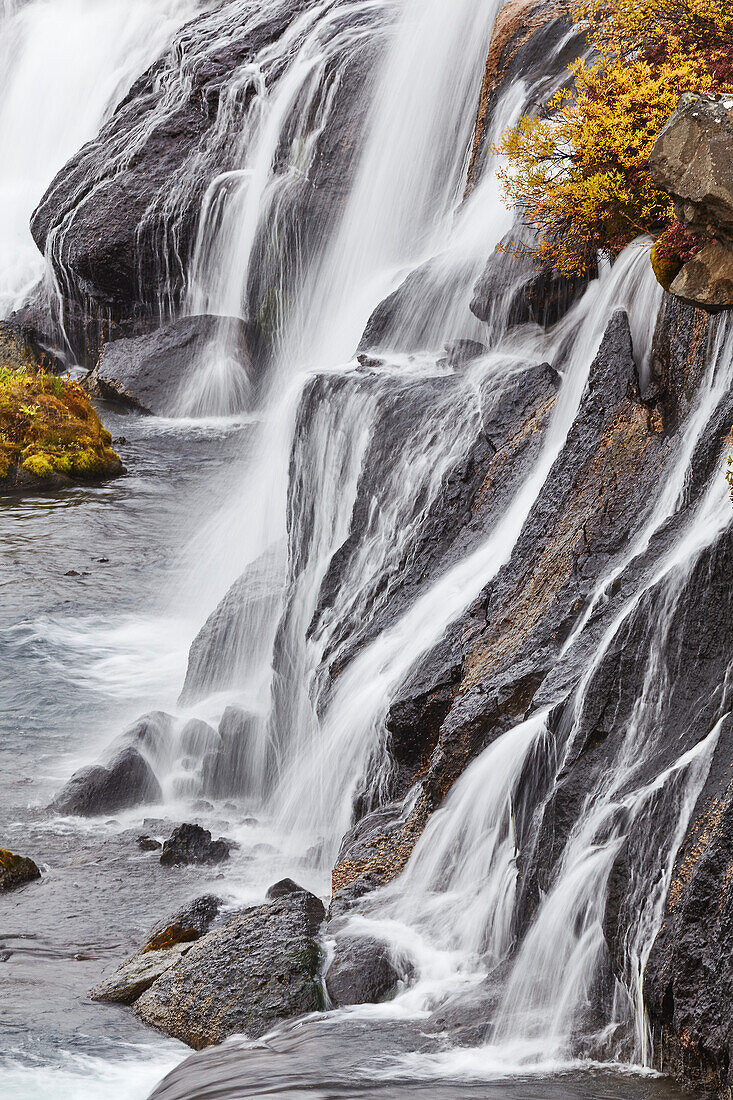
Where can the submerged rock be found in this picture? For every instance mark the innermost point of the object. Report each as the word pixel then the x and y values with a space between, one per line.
pixel 361 972
pixel 192 844
pixel 166 944
pixel 151 372
pixel 259 969
pixel 128 780
pixel 16 870
pixel 149 844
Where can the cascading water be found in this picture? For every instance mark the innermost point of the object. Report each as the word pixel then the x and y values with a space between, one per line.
pixel 319 539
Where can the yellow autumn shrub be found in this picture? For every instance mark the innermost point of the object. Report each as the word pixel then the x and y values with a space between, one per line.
pixel 579 173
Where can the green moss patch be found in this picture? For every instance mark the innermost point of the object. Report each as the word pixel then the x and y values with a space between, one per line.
pixel 49 431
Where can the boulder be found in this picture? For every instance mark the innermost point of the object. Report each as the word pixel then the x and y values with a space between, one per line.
pixel 166 944
pixel 128 780
pixel 120 221
pixel 259 969
pixel 707 279
pixel 239 765
pixel 187 924
pixel 197 738
pixel 111 196
pixel 136 974
pixel 192 844
pixel 151 372
pixel 361 972
pixel 514 286
pixel 460 353
pixel 148 844
pixel 16 870
pixel 692 160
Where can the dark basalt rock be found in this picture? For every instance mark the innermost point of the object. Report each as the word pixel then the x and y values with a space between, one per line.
pixel 518 290
pixel 448 527
pixel 460 353
pixel 237 634
pixel 149 844
pixel 259 969
pixel 485 674
pixel 148 372
pixel 16 870
pixel 110 197
pixel 688 983
pixel 122 216
pixel 193 844
pixel 361 972
pixel 166 943
pixel 128 780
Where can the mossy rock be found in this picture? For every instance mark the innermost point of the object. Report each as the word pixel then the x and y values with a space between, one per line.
pixel 50 435
pixel 665 270
pixel 16 870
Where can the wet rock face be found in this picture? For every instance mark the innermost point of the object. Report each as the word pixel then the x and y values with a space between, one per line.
pixel 192 844
pixel 128 780
pixel 464 504
pixel 149 372
pixel 121 217
pixel 259 969
pixel 486 673
pixel 530 41
pixel 237 634
pixel 689 978
pixel 361 972
pixel 110 198
pixel 16 870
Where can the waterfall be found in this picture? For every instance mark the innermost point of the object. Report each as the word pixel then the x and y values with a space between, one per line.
pixel 314 549
pixel 65 66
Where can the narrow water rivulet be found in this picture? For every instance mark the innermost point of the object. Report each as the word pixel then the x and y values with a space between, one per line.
pixel 428 609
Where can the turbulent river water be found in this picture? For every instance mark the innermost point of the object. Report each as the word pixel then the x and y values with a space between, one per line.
pixel 103 589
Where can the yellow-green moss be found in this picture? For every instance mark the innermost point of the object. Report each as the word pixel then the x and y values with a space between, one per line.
pixel 38 464
pixel 665 270
pixel 48 426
